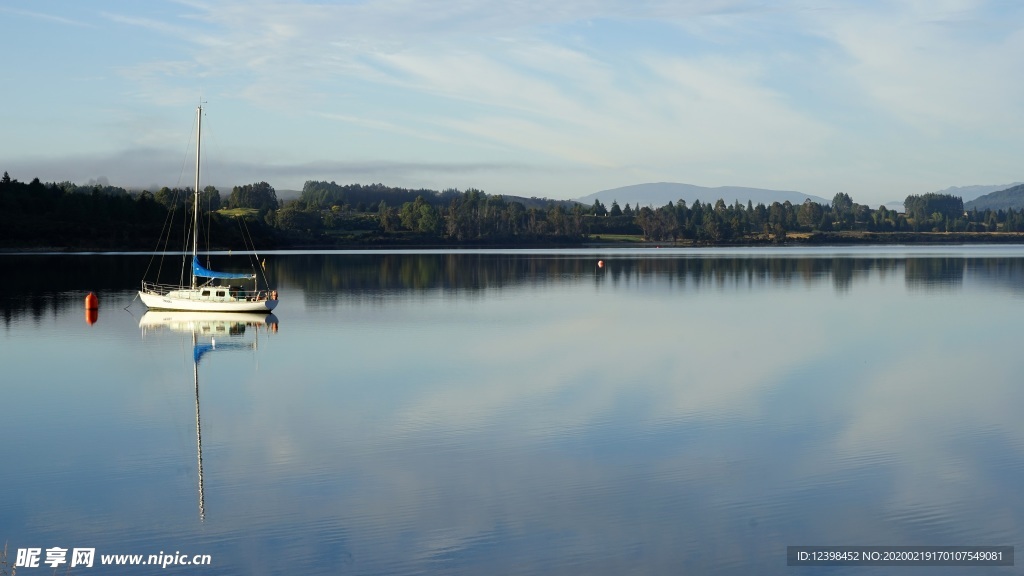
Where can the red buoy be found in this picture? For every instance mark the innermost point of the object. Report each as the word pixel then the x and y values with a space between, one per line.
pixel 600 263
pixel 92 308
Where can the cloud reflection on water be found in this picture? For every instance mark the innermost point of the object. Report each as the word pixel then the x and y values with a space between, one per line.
pixel 540 417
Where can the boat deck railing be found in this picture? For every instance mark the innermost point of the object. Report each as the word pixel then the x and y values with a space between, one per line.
pixel 188 293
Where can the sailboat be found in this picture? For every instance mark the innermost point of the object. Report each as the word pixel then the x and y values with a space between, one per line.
pixel 209 290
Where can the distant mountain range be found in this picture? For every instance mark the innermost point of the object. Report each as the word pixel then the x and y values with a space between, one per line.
pixel 284 195
pixel 1012 197
pixel 658 194
pixel 981 197
pixel 971 193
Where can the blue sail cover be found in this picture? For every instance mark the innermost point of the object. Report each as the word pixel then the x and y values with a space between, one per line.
pixel 198 270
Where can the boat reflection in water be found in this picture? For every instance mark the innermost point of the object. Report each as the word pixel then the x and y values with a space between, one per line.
pixel 205 329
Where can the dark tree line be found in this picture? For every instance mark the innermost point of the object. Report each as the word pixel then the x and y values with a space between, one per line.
pixel 66 215
pixel 259 196
pixel 474 216
pixel 721 222
pixel 176 198
pixel 326 208
pixel 933 206
pixel 319 195
pixel 322 195
pixel 471 215
pixel 101 216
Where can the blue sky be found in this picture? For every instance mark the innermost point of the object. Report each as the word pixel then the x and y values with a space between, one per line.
pixel 556 99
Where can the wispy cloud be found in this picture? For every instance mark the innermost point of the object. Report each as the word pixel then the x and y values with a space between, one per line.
pixel 46 17
pixel 433 135
pixel 875 96
pixel 927 64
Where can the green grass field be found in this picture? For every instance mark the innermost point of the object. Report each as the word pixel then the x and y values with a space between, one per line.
pixel 233 212
pixel 616 238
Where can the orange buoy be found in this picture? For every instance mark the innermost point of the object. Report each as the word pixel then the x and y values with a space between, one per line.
pixel 600 263
pixel 92 308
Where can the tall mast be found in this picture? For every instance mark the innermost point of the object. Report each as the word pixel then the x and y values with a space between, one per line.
pixel 195 211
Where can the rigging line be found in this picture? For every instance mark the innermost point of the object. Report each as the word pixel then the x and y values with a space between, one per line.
pixel 246 245
pixel 185 157
pixel 185 251
pixel 209 144
pixel 204 231
pixel 132 302
pixel 207 231
pixel 167 226
pixel 209 222
pixel 156 249
pixel 263 271
pixel 167 238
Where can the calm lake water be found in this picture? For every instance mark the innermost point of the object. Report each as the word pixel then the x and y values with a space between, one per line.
pixel 521 412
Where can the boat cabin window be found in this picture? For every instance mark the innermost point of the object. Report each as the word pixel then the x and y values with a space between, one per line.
pixel 220 293
pixel 206 293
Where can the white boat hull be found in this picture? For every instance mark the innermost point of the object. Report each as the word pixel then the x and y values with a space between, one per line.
pixel 187 321
pixel 170 302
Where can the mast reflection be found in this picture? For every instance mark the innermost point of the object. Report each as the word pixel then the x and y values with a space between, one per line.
pixel 205 328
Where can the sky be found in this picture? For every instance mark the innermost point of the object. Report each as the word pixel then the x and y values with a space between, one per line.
pixel 873 98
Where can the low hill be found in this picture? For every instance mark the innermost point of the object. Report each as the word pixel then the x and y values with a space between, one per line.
pixel 661 193
pixel 285 195
pixel 969 193
pixel 1012 197
pixel 966 193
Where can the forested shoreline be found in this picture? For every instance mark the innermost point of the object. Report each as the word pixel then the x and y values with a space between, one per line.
pixel 66 216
